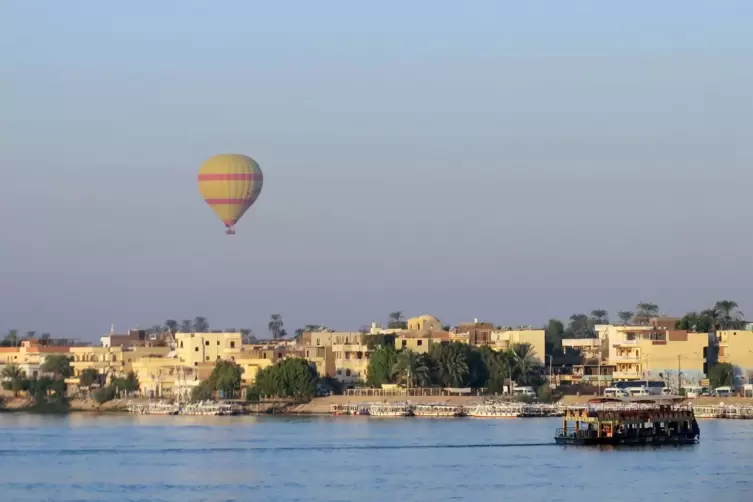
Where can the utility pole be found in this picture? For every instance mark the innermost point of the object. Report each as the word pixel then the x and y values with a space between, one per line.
pixel 550 368
pixel 679 373
pixel 598 377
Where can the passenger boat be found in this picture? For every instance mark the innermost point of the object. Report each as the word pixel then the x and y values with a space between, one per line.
pixel 349 409
pixel 495 411
pixel 438 410
pixel 390 410
pixel 621 423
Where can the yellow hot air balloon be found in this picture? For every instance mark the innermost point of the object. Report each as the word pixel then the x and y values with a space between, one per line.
pixel 230 184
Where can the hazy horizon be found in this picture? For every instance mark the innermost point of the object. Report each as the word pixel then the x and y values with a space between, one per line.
pixel 510 163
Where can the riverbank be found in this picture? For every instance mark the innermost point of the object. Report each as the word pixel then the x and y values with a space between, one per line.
pixel 28 405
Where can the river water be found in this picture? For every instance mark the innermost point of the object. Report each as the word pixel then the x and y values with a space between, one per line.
pixel 152 458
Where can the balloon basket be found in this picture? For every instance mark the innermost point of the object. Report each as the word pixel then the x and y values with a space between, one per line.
pixel 230 231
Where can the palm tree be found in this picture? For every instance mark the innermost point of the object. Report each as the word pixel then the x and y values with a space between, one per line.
pixel 600 316
pixel 625 316
pixel 412 369
pixel 580 326
pixel 645 311
pixel 12 338
pixel 275 326
pixel 200 325
pixel 31 334
pixel 728 314
pixel 523 361
pixel 451 365
pixel 171 325
pixel 247 335
pixel 396 320
pixel 15 375
pixel 186 326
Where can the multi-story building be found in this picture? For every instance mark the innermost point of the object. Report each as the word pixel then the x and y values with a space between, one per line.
pixel 535 338
pixel 350 350
pixel 736 348
pixel 479 333
pixel 424 322
pixel 420 341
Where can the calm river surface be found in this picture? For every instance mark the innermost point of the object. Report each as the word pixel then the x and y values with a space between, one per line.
pixel 130 458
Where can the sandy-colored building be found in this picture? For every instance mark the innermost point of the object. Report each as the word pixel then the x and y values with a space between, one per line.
pixel 420 341
pixel 479 333
pixel 29 356
pixel 424 323
pixel 194 348
pixel 349 349
pixel 736 347
pixel 536 338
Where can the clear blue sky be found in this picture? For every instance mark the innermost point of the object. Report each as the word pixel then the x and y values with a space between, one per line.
pixel 509 161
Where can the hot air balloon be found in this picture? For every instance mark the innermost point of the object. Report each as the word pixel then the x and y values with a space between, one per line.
pixel 230 184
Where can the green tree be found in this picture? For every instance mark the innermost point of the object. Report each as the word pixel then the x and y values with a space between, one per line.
pixel 449 364
pixel 88 377
pixel 58 365
pixel 600 316
pixel 31 334
pixel 11 339
pixel 128 384
pixel 625 316
pixel 186 326
pixel 497 369
pixel 203 392
pixel 396 321
pixel 580 327
pixel 15 377
pixel 375 341
pixel 380 366
pixel 103 395
pixel 644 311
pixel 553 335
pixel 728 315
pixel 412 369
pixel 275 326
pixel 698 322
pixel 171 325
pixel 291 377
pixel 200 325
pixel 524 366
pixel 226 377
pixel 722 374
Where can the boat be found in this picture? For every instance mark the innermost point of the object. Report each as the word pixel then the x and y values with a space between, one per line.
pixel 497 410
pixel 390 410
pixel 617 422
pixel 438 410
pixel 356 409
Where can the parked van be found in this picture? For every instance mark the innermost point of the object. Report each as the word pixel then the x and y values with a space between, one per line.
pixel 614 392
pixel 523 391
pixel 723 391
pixel 638 391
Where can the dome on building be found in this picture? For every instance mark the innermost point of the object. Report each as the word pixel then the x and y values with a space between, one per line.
pixel 424 322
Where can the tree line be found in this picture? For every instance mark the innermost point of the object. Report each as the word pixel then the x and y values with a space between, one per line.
pixel 455 365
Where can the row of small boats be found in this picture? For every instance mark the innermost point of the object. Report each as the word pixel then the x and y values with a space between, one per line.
pixel 481 410
pixel 204 408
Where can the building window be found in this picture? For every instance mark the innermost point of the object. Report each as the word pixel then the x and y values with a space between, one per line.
pixel 195 364
pixel 232 345
pixel 307 353
pixel 279 355
pixel 181 344
pixel 405 343
pixel 264 355
pixel 317 341
pixel 218 342
pixel 419 342
pixel 347 372
pixel 207 358
pixel 207 343
pixel 196 349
